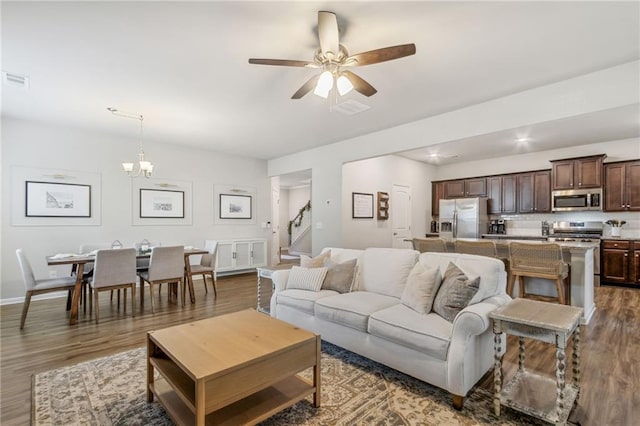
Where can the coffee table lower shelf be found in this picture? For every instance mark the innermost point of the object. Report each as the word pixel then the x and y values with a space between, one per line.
pixel 535 395
pixel 250 410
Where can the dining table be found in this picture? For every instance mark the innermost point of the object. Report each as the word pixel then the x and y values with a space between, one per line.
pixel 80 260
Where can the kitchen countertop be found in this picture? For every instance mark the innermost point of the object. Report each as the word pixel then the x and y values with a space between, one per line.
pixel 505 242
pixel 513 237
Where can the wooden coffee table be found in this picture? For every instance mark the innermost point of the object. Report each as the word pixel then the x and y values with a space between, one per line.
pixel 234 369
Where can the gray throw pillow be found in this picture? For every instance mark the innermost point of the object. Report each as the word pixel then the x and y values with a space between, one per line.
pixel 339 275
pixel 314 262
pixel 456 291
pixel 422 286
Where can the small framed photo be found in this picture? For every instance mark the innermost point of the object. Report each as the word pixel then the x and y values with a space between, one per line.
pixel 161 203
pixel 361 205
pixel 50 199
pixel 235 206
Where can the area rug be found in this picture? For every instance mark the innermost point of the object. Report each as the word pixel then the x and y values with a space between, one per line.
pixel 355 391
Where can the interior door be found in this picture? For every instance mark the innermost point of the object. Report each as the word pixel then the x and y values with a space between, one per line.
pixel 400 212
pixel 275 221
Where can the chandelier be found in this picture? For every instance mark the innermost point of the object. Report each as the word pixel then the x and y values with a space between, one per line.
pixel 145 168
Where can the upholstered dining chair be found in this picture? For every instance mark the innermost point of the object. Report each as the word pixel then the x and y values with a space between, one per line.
pixel 423 245
pixel 207 265
pixel 114 270
pixel 166 265
pixel 142 264
pixel 34 286
pixel 87 272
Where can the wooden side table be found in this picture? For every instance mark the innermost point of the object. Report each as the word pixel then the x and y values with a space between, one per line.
pixel 267 272
pixel 529 392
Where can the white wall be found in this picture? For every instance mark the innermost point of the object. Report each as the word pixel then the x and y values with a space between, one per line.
pixel 44 146
pixel 298 198
pixel 284 217
pixel 598 91
pixel 379 175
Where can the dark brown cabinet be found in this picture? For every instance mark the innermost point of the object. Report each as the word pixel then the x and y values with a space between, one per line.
pixel 437 192
pixel 460 188
pixel 620 261
pixel 501 191
pixel 534 192
pixel 622 186
pixel 577 173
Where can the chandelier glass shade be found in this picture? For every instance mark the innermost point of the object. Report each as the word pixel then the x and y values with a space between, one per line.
pixel 144 167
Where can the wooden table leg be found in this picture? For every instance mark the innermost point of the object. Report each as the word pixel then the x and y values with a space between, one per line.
pixel 73 315
pixel 497 368
pixel 150 379
pixel 316 373
pixel 189 278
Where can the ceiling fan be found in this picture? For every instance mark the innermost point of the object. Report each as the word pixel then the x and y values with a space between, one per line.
pixel 333 58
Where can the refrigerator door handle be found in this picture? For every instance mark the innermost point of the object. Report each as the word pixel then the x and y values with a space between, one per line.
pixel 455 224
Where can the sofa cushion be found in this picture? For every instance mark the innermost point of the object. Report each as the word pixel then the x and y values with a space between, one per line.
pixel 339 275
pixel 341 255
pixel 455 293
pixel 421 289
pixel 493 278
pixel 314 262
pixel 429 334
pixel 302 300
pixel 306 278
pixel 385 270
pixel 352 309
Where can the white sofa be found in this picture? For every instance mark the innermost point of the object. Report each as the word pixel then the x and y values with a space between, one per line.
pixel 371 320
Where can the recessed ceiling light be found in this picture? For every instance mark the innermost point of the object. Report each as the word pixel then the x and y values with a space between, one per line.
pixel 523 139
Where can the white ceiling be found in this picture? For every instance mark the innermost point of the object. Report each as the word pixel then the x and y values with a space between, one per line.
pixel 184 66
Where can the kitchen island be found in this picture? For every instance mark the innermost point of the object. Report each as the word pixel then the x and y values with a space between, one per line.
pixel 578 254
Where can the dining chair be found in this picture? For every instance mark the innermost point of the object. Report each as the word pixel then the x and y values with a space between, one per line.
pixel 34 286
pixel 479 248
pixel 166 265
pixel 114 270
pixel 87 272
pixel 142 264
pixel 207 265
pixel 423 245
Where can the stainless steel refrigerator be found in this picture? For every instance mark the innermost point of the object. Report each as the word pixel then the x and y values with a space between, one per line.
pixel 463 218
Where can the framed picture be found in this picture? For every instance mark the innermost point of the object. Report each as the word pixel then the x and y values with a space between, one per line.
pixel 235 206
pixel 50 199
pixel 161 203
pixel 361 205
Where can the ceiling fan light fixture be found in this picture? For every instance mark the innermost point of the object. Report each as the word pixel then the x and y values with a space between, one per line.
pixel 325 84
pixel 344 85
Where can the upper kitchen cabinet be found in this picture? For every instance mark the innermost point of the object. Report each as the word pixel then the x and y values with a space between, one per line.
pixel 460 188
pixel 622 186
pixel 437 192
pixel 577 173
pixel 501 191
pixel 534 192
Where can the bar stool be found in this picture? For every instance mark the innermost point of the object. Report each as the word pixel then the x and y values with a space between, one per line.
pixel 539 261
pixel 432 245
pixel 479 248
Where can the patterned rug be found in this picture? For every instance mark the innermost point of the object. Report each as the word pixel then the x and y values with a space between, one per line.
pixel 355 391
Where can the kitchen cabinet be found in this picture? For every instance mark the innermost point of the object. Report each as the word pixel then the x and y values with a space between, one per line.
pixel 437 192
pixel 501 191
pixel 620 261
pixel 534 192
pixel 240 255
pixel 622 186
pixel 460 188
pixel 577 173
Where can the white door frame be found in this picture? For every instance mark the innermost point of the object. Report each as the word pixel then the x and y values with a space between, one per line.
pixel 274 243
pixel 400 220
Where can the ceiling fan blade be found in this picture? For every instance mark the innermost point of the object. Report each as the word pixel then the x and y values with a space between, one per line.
pixel 360 84
pixel 307 87
pixel 283 62
pixel 328 33
pixel 380 55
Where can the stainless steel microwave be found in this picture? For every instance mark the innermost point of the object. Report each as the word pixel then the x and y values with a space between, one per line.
pixel 577 200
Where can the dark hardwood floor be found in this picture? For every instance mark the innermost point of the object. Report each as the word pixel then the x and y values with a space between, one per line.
pixel 610 346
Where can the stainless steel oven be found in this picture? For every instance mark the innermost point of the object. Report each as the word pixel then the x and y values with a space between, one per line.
pixel 577 200
pixel 590 232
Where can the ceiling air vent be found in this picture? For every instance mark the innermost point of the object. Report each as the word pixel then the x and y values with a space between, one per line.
pixel 16 80
pixel 351 107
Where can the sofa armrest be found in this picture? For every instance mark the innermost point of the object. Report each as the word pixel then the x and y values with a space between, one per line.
pixel 471 347
pixel 279 279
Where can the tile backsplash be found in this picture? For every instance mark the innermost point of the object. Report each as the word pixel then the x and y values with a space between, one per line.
pixel 530 225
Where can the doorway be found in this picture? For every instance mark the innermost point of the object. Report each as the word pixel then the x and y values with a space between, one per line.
pixel 400 212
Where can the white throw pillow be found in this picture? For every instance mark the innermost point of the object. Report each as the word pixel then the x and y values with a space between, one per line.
pixel 306 278
pixel 421 289
pixel 314 262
